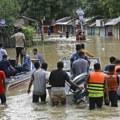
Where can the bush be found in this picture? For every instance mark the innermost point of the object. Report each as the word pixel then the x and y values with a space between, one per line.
pixel 29 32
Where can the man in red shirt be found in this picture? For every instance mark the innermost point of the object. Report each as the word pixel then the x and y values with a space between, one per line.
pixel 2 87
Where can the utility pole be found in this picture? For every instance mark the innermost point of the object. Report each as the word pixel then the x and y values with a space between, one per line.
pixel 42 29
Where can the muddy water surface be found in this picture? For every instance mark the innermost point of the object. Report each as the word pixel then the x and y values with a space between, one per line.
pixel 19 103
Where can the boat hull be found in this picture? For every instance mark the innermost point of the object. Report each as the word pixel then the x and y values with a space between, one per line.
pixel 17 81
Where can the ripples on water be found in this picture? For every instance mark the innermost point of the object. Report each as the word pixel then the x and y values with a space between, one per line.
pixel 19 103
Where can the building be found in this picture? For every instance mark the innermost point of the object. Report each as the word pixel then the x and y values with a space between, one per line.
pixel 112 28
pixel 95 26
pixel 3 33
pixel 65 24
pixel 24 21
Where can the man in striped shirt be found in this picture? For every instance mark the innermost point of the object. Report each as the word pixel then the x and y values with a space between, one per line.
pixel 20 43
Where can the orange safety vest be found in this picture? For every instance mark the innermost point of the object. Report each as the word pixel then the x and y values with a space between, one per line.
pixel 96 84
pixel 116 67
pixel 112 82
pixel 97 77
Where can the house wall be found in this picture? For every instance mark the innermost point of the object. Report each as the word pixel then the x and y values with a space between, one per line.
pixel 113 31
pixel 19 22
pixel 109 30
pixel 102 31
pixel 97 31
pixel 4 38
pixel 116 31
pixel 26 22
pixel 90 31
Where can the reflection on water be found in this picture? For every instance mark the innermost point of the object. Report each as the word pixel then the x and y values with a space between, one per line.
pixel 19 103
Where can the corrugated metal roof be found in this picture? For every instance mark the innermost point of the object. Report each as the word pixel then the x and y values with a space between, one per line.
pixel 113 21
pixel 64 23
pixel 27 18
pixel 65 19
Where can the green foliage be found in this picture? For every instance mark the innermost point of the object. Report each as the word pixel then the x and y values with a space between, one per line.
pixel 55 9
pixel 29 32
pixel 112 6
pixel 9 10
pixel 51 9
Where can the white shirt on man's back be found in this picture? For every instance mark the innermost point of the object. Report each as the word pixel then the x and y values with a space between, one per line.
pixel 40 77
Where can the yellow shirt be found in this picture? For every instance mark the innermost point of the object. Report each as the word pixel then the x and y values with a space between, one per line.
pixel 88 53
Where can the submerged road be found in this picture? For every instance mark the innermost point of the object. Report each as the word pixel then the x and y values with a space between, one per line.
pixel 19 103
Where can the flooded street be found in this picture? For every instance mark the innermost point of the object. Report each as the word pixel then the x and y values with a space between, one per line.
pixel 19 103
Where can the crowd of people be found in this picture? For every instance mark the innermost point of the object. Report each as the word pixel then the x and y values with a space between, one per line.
pixel 8 69
pixel 99 83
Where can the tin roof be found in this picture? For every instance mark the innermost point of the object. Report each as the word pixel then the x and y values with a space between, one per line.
pixel 113 21
pixel 27 18
pixel 63 21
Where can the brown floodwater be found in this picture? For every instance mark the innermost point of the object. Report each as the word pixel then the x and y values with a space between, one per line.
pixel 19 103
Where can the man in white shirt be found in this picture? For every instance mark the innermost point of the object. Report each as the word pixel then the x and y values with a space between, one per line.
pixel 2 51
pixel 39 77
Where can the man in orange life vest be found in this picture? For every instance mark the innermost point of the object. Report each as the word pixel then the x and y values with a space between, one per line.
pixel 95 82
pixel 112 85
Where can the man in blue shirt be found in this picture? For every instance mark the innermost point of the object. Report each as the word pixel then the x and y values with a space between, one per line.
pixel 75 56
pixel 38 56
pixel 26 66
pixel 7 67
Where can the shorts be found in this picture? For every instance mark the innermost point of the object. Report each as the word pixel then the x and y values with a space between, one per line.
pixel 36 98
pixel 18 51
pixel 58 93
pixel 3 98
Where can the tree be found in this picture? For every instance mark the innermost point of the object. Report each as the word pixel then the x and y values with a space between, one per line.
pixel 9 10
pixel 112 6
pixel 51 9
pixel 56 9
pixel 94 8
